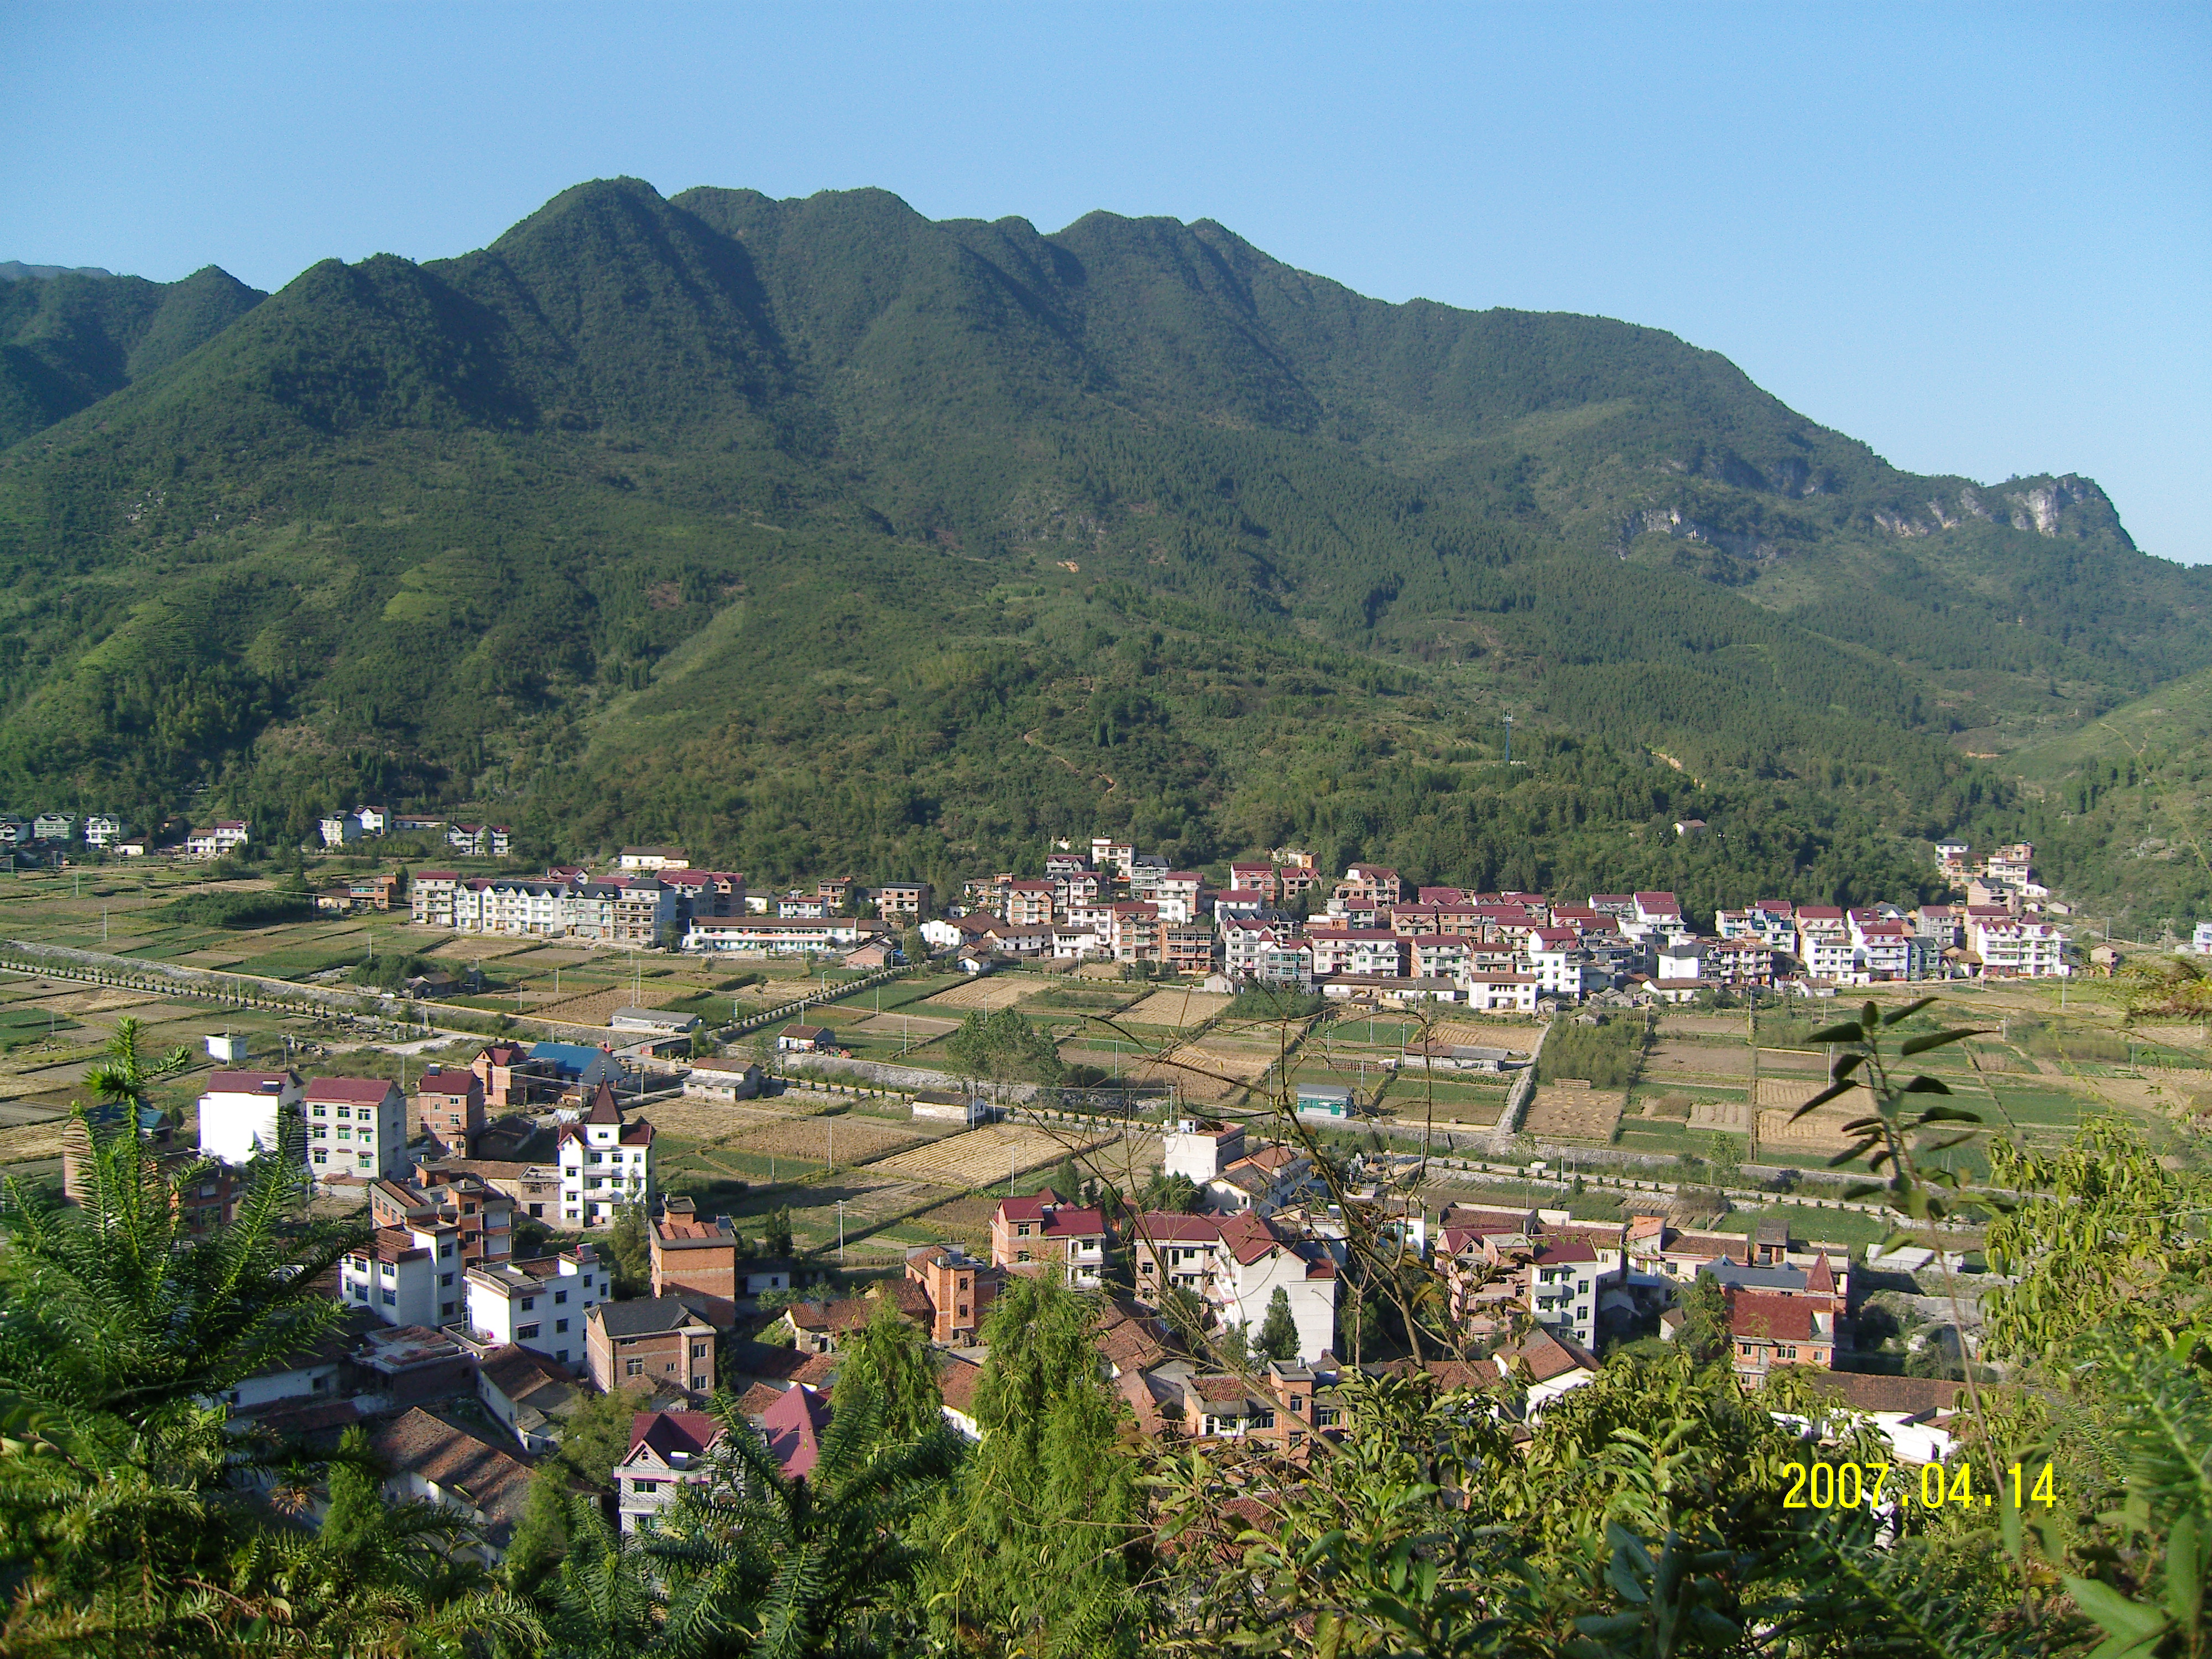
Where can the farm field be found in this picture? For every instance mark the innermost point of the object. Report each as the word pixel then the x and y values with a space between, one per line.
pixel 1676 1057
pixel 1175 1009
pixel 1461 1034
pixel 1564 1114
pixel 989 994
pixel 979 1155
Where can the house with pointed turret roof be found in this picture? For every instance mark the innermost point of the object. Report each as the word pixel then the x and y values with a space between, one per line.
pixel 605 1162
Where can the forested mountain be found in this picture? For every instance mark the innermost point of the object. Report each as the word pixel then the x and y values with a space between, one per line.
pixel 70 337
pixel 814 533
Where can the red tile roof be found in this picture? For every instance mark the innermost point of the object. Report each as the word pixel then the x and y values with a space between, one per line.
pixel 793 1427
pixel 373 1090
pixel 1772 1318
pixel 667 1432
pixel 248 1083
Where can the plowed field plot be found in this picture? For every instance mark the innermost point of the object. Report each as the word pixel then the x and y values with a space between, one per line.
pixel 32 1140
pixel 1721 1116
pixel 847 1140
pixel 1575 1113
pixel 1459 1034
pixel 1818 1131
pixel 919 1027
pixel 597 1007
pixel 486 947
pixel 1178 1010
pixel 101 1001
pixel 1721 1025
pixel 1667 1060
pixel 1213 1069
pixel 14 1113
pixel 1788 1093
pixel 1791 1060
pixel 980 1155
pixel 985 993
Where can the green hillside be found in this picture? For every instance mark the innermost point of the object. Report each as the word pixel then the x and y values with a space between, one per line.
pixel 2120 811
pixel 69 338
pixel 816 533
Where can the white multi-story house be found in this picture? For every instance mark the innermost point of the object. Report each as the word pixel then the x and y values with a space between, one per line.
pixel 1824 944
pixel 1287 962
pixel 1440 956
pixel 1356 951
pixel 2017 947
pixel 405 1275
pixel 356 1127
pixel 373 820
pixel 1885 948
pixel 1234 1264
pixel 539 1303
pixel 1491 991
pixel 231 834
pixel 605 1163
pixel 1556 957
pixel 2200 941
pixel 244 1114
pixel 104 828
pixel 338 828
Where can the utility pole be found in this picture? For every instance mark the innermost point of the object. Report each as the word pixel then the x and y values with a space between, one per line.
pixel 1508 740
pixel 841 1232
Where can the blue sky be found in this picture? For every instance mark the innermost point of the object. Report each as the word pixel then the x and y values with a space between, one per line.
pixel 1978 238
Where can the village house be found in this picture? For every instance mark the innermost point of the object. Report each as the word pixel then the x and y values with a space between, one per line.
pixel 480 1216
pixel 448 1107
pixel 705 1265
pixel 649 1341
pixel 957 1291
pixel 903 903
pixel 541 1304
pixel 1049 1231
pixel 356 1128
pixel 531 1394
pixel 1233 1264
pixel 244 1113
pixel 434 1458
pixel 668 1451
pixel 605 1163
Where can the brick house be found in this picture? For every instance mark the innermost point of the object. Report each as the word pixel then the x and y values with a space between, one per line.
pixel 959 1291
pixel 1767 1331
pixel 655 1339
pixel 480 1216
pixel 449 1108
pixel 700 1262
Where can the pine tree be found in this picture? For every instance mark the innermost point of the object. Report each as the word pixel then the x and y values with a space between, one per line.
pixel 631 1250
pixel 1278 1332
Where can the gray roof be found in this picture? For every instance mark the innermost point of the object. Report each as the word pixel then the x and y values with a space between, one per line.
pixel 1756 1278
pixel 646 1315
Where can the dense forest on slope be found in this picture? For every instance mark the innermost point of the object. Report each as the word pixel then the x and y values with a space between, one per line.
pixel 816 533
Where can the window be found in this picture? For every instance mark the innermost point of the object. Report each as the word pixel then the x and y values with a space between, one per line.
pixel 644 1485
pixel 559 1298
pixel 391 1297
pixel 319 1109
pixel 445 1281
pixel 345 1134
pixel 524 1332
pixel 321 1157
pixel 445 1309
pixel 445 1249
pixel 562 1356
pixel 698 1351
pixel 529 1303
pixel 698 1384
pixel 560 1327
pixel 633 1368
pixel 588 1281
pixel 536 1210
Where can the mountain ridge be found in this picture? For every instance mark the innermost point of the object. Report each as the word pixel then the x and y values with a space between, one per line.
pixel 572 451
